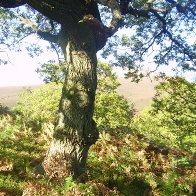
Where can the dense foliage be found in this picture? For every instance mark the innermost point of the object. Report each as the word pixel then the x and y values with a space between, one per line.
pixel 177 101
pixel 111 110
pixel 148 159
pixel 40 105
pixel 163 31
pixel 171 118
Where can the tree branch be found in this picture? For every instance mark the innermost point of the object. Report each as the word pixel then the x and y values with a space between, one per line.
pixel 124 6
pixel 28 23
pixel 192 57
pixel 151 41
pixel 11 3
pixel 48 36
pixel 45 35
pixel 116 21
pixel 138 13
pixel 180 8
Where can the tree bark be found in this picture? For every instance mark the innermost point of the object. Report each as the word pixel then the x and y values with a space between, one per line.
pixel 75 130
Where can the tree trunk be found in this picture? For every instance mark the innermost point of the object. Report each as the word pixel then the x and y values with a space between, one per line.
pixel 75 130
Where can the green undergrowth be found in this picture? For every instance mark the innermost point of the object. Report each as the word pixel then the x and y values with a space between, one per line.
pixel 118 164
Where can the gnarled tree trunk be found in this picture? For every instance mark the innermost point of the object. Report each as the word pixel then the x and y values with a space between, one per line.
pixel 75 130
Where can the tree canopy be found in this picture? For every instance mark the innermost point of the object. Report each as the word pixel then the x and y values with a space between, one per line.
pixel 162 32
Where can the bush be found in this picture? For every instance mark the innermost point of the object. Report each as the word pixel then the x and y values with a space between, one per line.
pixel 40 105
pixel 171 118
pixel 4 110
pixel 111 110
pixel 151 126
pixel 134 168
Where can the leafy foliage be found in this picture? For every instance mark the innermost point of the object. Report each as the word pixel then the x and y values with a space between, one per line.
pixel 179 106
pixel 4 110
pixel 171 118
pixel 40 105
pixel 20 149
pixel 51 72
pixel 127 163
pixel 111 110
pixel 163 31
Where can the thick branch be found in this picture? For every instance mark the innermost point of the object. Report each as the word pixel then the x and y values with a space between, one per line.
pixel 159 17
pixel 116 21
pixel 48 36
pixel 51 9
pixel 124 6
pixel 28 23
pixel 180 8
pixel 138 13
pixel 128 9
pixel 11 3
pixel 45 35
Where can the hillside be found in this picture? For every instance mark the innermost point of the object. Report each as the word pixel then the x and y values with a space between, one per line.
pixel 9 95
pixel 140 94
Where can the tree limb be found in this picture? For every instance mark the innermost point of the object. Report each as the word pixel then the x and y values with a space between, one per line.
pixel 180 8
pixel 124 6
pixel 152 41
pixel 116 21
pixel 192 57
pixel 138 13
pixel 11 3
pixel 28 22
pixel 45 35
pixel 48 36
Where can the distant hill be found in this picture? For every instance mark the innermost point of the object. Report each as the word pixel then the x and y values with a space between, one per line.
pixel 9 95
pixel 140 94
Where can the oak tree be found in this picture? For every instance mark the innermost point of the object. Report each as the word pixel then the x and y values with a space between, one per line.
pixel 80 28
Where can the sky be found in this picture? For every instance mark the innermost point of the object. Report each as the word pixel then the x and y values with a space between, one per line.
pixel 20 71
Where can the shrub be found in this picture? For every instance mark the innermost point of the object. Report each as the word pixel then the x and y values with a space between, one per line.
pixel 40 105
pixel 111 110
pixel 171 118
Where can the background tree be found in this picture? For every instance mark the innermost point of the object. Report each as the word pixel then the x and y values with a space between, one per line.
pixel 171 118
pixel 175 99
pixel 78 28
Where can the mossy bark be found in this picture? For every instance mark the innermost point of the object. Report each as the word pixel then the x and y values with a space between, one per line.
pixel 75 130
